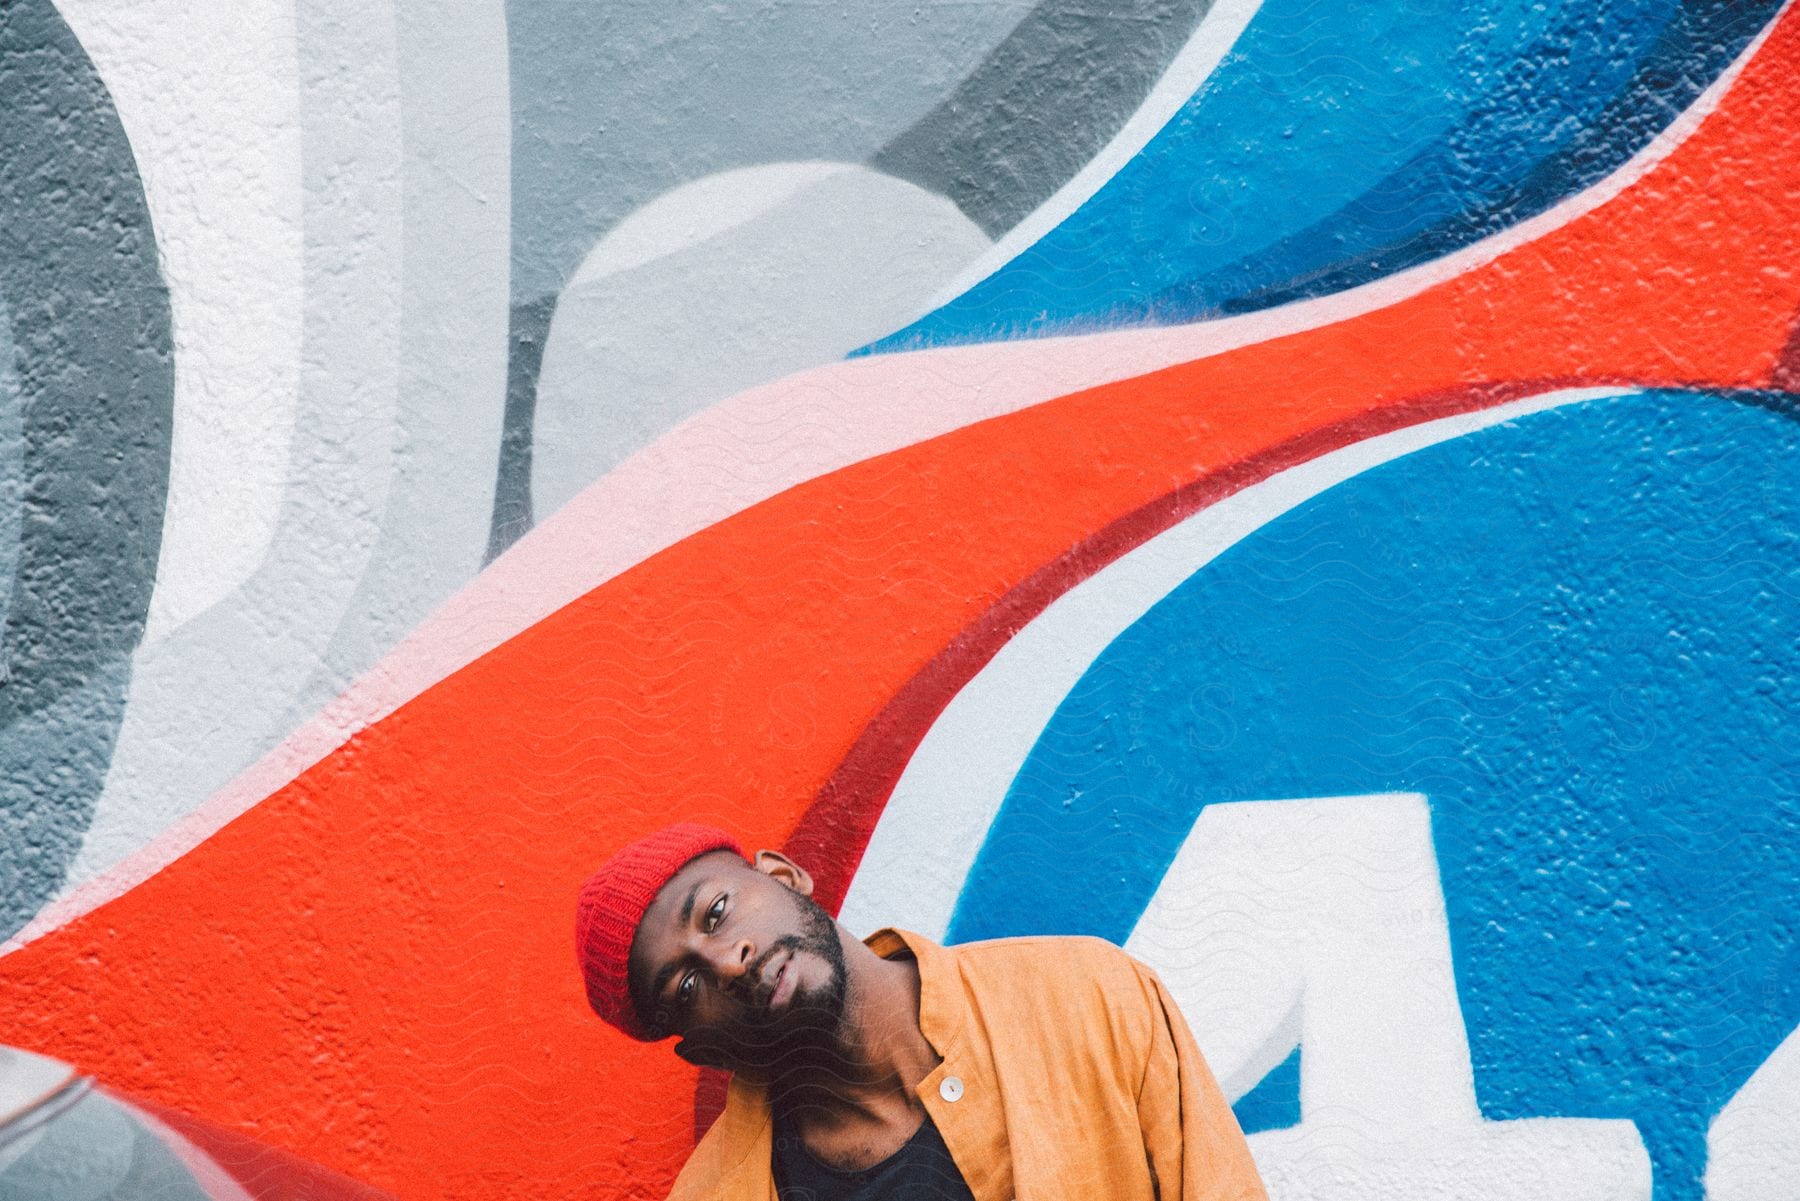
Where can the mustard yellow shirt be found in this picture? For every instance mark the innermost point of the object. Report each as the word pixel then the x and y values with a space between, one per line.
pixel 1067 1072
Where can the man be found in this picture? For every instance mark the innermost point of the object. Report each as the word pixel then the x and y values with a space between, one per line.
pixel 1029 1068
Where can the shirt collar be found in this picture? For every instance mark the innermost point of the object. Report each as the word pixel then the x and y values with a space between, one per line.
pixel 940 991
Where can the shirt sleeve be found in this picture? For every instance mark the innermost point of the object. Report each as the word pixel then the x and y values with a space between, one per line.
pixel 1191 1138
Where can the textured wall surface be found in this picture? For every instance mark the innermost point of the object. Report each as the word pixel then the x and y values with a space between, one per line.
pixel 1308 492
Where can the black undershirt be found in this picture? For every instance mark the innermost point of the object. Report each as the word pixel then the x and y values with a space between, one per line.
pixel 922 1170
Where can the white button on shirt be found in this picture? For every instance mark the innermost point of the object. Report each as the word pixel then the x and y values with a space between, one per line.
pixel 951 1089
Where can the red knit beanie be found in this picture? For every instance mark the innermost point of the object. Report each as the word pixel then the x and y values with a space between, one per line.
pixel 612 904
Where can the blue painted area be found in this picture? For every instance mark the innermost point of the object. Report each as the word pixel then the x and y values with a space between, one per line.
pixel 1274 1104
pixel 1339 143
pixel 1579 636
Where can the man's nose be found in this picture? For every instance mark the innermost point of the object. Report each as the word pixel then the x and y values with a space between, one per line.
pixel 733 959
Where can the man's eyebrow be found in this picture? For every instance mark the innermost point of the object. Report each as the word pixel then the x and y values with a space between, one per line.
pixel 669 969
pixel 687 906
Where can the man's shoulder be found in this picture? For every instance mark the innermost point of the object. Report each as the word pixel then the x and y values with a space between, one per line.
pixel 1055 962
pixel 732 1157
pixel 1077 1000
pixel 1039 946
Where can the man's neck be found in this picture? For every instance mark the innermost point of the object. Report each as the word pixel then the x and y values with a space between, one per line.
pixel 862 1095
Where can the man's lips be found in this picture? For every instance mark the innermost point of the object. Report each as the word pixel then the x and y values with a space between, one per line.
pixel 782 983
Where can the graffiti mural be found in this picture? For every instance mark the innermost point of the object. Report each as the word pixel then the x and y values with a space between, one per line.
pixel 1307 494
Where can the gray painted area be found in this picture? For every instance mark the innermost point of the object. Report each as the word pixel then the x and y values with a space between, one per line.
pixel 728 282
pixel 616 103
pixel 12 466
pixel 454 230
pixel 209 98
pixel 92 360
pixel 529 328
pixel 211 696
pixel 1043 104
pixel 53 763
pixel 687 91
pixel 398 421
pixel 94 380
pixel 993 105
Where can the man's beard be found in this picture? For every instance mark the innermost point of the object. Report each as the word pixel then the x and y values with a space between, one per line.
pixel 805 1033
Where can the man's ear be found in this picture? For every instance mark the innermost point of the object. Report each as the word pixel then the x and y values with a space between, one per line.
pixel 698 1054
pixel 778 866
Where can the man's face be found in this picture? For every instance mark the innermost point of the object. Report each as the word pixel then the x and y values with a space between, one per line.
pixel 740 963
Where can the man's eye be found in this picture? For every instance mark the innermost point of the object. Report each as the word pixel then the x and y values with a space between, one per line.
pixel 684 992
pixel 715 914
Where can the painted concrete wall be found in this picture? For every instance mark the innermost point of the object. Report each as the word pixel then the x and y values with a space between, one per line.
pixel 1308 492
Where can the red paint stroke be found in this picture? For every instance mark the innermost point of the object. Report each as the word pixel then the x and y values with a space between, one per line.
pixel 834 832
pixel 1786 374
